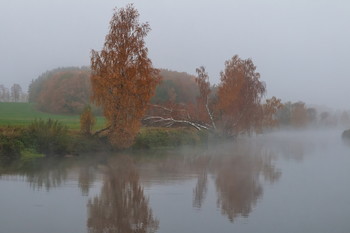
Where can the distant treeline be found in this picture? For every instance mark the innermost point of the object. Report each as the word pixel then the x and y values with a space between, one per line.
pixel 68 90
pixel 13 94
pixel 299 115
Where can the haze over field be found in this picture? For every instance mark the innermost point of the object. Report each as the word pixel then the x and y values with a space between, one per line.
pixel 299 47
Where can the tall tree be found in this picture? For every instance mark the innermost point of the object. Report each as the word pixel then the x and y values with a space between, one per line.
pixel 123 78
pixel 239 96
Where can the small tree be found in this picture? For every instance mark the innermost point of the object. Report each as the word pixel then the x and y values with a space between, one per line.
pixel 87 121
pixel 123 78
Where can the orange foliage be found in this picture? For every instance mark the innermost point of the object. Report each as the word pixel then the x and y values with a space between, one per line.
pixel 123 79
pixel 65 92
pixel 269 110
pixel 239 95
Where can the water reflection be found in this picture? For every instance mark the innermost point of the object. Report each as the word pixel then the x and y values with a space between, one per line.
pixel 48 173
pixel 238 186
pixel 236 172
pixel 237 177
pixel 121 205
pixel 199 192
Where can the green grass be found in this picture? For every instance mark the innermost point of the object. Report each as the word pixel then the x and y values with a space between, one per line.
pixel 22 114
pixel 153 137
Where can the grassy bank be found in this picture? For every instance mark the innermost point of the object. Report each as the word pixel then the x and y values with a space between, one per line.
pixel 26 132
pixel 23 114
pixel 150 138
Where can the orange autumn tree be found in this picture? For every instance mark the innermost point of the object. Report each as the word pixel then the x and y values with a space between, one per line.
pixel 269 110
pixel 239 95
pixel 123 78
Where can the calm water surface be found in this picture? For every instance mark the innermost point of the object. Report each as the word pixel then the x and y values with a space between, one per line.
pixel 279 182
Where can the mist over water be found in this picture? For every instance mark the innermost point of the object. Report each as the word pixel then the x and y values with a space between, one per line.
pixel 285 181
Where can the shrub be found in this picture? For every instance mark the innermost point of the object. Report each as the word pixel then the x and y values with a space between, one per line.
pixel 49 137
pixel 10 142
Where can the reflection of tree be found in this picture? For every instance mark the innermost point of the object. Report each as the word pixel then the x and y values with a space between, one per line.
pixel 238 185
pixel 200 190
pixel 48 178
pixel 86 179
pixel 40 173
pixel 121 205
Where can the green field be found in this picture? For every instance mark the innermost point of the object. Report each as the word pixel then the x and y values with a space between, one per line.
pixel 22 114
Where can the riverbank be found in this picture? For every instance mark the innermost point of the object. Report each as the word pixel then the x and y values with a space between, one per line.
pixel 25 131
pixel 52 139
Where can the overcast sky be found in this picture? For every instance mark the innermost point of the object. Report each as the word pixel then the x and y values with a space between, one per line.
pixel 300 47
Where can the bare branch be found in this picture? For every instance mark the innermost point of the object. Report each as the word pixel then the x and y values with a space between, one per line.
pixel 167 122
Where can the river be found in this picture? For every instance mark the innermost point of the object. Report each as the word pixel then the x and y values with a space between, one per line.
pixel 296 181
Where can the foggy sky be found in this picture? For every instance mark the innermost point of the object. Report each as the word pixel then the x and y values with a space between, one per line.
pixel 300 47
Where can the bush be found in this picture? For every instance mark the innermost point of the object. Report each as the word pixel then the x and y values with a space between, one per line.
pixel 49 137
pixel 10 142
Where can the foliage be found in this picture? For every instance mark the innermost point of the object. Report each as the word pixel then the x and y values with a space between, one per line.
pixel 10 142
pixel 178 87
pixel 87 121
pixel 234 106
pixel 37 85
pixel 298 115
pixel 123 79
pixel 239 95
pixel 65 92
pixel 49 137
pixel 269 110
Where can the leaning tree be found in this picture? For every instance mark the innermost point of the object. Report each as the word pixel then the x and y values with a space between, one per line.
pixel 123 78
